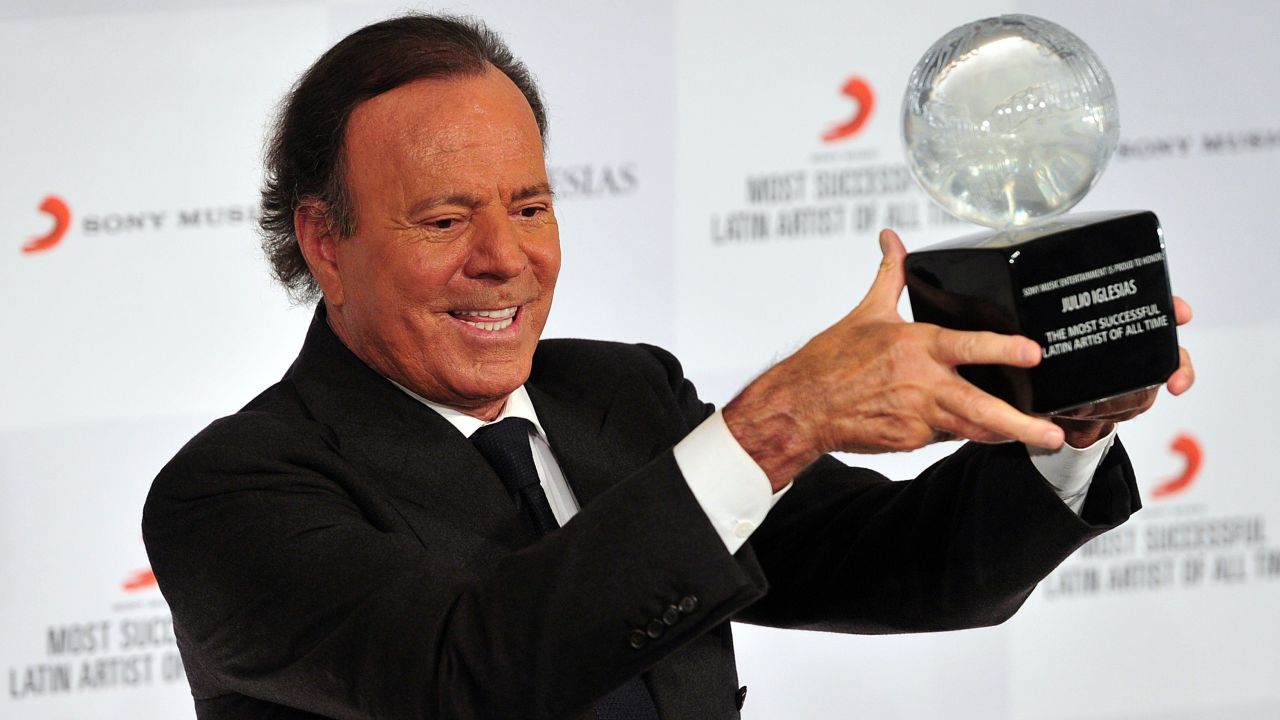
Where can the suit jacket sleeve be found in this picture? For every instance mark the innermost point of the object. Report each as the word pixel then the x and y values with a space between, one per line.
pixel 961 546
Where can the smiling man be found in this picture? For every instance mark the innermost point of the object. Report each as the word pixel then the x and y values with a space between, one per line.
pixel 435 514
pixel 449 287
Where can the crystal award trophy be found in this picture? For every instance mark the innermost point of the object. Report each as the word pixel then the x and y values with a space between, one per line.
pixel 1008 122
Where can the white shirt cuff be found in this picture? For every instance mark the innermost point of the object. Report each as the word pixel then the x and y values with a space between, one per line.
pixel 733 491
pixel 1070 470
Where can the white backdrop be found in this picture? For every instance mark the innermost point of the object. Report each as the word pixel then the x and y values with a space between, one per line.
pixel 701 209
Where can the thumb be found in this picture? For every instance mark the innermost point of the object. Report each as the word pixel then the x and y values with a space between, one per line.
pixel 891 277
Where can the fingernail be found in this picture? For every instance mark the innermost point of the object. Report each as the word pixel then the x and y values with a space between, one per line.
pixel 1053 438
pixel 1030 352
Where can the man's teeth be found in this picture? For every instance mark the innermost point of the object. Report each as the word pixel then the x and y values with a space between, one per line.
pixel 500 325
pixel 499 319
pixel 500 314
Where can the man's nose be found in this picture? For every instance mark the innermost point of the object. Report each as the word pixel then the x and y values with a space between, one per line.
pixel 496 250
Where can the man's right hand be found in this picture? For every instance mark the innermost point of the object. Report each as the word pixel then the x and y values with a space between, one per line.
pixel 874 382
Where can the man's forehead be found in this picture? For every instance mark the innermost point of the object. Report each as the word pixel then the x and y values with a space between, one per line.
pixel 446 115
pixel 470 136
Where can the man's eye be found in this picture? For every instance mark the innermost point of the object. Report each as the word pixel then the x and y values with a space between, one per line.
pixel 530 211
pixel 443 224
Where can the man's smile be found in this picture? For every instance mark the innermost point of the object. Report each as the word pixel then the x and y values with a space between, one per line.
pixel 487 320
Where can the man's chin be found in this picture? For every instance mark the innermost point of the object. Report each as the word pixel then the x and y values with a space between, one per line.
pixel 494 389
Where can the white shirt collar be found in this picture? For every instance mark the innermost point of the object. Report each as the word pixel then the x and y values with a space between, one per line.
pixel 518 405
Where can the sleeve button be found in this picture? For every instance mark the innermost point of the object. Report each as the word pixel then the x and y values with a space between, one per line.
pixel 654 629
pixel 688 604
pixel 671 615
pixel 637 639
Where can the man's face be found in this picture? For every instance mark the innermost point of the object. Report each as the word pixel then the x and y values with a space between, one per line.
pixel 446 284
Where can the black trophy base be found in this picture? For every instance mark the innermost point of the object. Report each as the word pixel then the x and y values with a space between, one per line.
pixel 1091 288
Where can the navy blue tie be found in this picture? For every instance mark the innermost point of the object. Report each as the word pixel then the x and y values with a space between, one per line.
pixel 505 444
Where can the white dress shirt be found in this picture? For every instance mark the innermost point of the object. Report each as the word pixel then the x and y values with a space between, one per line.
pixel 730 487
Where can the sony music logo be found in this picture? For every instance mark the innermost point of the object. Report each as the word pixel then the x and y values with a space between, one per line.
pixel 130 222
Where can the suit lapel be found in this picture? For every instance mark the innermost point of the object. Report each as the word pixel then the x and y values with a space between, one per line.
pixel 598 439
pixel 438 482
pixel 432 475
pixel 573 430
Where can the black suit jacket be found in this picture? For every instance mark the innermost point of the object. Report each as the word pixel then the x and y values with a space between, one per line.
pixel 337 549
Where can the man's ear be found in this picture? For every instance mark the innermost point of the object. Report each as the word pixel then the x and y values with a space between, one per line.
pixel 318 240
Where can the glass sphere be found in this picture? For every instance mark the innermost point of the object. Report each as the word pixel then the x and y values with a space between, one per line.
pixel 1009 119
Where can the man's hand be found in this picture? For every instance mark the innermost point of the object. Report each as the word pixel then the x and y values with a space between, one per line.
pixel 1085 425
pixel 876 383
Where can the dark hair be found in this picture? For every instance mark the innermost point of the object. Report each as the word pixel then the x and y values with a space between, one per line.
pixel 305 157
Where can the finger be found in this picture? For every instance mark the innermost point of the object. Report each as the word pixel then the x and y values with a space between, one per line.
pixel 952 427
pixel 1116 417
pixel 1118 408
pixel 1184 377
pixel 1082 412
pixel 1181 311
pixel 995 416
pixel 1134 406
pixel 890 278
pixel 961 347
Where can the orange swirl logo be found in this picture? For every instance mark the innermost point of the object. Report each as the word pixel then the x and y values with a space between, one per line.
pixel 860 92
pixel 56 208
pixel 139 580
pixel 1193 456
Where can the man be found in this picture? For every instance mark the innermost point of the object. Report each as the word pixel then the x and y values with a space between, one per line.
pixel 340 549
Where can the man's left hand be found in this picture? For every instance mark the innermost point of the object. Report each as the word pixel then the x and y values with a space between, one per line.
pixel 1085 425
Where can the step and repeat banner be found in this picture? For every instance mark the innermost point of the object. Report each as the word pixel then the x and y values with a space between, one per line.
pixel 722 169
